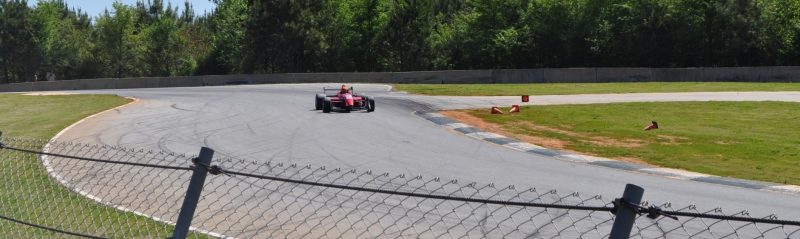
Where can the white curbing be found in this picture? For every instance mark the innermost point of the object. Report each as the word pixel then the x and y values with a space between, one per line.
pixel 675 173
pixel 433 115
pixel 584 158
pixel 522 146
pixel 485 135
pixel 454 126
pixel 53 174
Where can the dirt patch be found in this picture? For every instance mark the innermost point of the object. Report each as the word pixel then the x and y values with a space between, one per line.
pixel 722 142
pixel 466 118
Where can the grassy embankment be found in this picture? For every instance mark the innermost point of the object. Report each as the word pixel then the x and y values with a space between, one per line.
pixel 749 140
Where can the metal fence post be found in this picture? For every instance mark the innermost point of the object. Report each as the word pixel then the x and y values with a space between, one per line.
pixel 193 193
pixel 625 213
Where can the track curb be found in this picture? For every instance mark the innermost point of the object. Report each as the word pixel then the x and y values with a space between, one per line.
pixel 680 174
pixel 53 173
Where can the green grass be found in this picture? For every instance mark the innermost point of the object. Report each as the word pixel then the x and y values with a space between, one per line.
pixel 42 117
pixel 749 140
pixel 27 193
pixel 588 88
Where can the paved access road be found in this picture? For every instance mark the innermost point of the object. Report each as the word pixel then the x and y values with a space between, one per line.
pixel 278 123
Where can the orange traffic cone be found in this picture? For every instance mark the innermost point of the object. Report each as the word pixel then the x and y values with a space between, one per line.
pixel 496 111
pixel 525 98
pixel 514 109
pixel 653 125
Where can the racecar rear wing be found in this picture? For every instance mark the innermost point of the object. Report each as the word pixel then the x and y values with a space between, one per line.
pixel 325 90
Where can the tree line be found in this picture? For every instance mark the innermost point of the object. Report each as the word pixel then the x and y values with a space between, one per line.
pixel 53 40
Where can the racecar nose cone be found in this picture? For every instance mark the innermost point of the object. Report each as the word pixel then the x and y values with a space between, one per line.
pixel 348 100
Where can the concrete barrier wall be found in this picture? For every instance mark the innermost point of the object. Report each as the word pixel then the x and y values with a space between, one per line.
pixel 743 74
pixel 504 76
pixel 784 73
pixel 441 77
pixel 624 75
pixel 570 75
pixel 677 74
pixel 518 76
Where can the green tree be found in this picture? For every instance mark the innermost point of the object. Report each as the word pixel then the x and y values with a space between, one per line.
pixel 167 52
pixel 197 34
pixel 227 26
pixel 19 50
pixel 622 24
pixel 284 36
pixel 404 35
pixel 484 34
pixel 119 42
pixel 253 36
pixel 64 40
pixel 722 33
pixel 351 36
pixel 779 34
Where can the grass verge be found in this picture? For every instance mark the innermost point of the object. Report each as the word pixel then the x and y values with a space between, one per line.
pixel 43 116
pixel 588 88
pixel 27 193
pixel 749 140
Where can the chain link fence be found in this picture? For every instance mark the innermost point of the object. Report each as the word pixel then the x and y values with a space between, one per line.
pixel 67 190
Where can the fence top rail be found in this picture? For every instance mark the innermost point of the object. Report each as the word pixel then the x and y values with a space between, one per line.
pixel 320 177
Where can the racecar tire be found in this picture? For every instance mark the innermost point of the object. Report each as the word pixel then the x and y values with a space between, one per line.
pixel 318 101
pixel 365 102
pixel 371 105
pixel 326 106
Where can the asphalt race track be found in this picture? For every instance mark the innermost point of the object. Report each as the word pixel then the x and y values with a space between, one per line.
pixel 278 123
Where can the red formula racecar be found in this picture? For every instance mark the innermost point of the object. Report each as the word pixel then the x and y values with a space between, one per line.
pixel 343 100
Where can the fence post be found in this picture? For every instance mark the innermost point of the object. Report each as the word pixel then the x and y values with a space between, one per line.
pixel 626 214
pixel 193 193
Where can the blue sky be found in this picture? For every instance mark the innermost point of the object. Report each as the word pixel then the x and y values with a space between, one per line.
pixel 95 7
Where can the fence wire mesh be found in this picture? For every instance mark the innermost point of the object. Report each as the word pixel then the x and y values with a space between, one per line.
pixel 78 190
pixel 85 197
